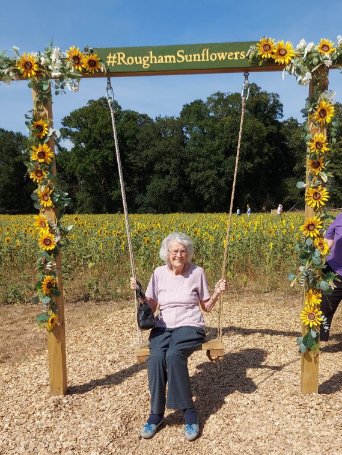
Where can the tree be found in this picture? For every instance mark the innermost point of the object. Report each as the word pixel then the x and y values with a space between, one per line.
pixel 15 185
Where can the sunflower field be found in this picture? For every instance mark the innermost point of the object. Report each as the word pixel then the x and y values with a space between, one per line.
pixel 96 263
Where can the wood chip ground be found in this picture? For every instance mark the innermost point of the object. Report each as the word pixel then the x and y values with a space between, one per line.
pixel 249 403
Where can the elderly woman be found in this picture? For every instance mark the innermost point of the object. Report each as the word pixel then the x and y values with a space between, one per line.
pixel 179 288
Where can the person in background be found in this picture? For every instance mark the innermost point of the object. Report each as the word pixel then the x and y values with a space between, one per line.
pixel 279 209
pixel 180 290
pixel 238 211
pixel 248 211
pixel 330 302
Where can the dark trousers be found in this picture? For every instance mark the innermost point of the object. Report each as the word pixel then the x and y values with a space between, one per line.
pixel 329 305
pixel 168 364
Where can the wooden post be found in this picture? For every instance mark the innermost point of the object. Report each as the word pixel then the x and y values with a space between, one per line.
pixel 56 338
pixel 310 361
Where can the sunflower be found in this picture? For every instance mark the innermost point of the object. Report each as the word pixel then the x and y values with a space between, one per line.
pixel 40 128
pixel 311 316
pixel 313 297
pixel 316 197
pixel 37 175
pixel 322 245
pixel 41 222
pixel 27 65
pixel 312 226
pixel 76 58
pixel 48 284
pixel 283 53
pixel 318 143
pixel 323 113
pixel 316 166
pixel 91 63
pixel 44 195
pixel 266 47
pixel 326 47
pixel 46 240
pixel 52 322
pixel 42 154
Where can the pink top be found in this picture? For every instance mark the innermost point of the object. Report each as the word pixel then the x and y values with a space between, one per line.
pixel 178 296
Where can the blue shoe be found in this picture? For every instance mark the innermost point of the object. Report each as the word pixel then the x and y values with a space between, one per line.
pixel 191 431
pixel 150 429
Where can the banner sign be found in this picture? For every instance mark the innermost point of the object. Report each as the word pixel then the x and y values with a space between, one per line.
pixel 214 57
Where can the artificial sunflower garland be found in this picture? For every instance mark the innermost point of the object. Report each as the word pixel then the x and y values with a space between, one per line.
pixel 45 71
pixel 310 62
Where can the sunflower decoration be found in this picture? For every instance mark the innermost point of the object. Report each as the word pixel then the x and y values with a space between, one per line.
pixel 311 316
pixel 313 297
pixel 283 53
pixel 28 65
pixel 316 197
pixel 41 222
pixel 326 47
pixel 76 58
pixel 42 153
pixel 266 47
pixel 46 240
pixel 323 113
pixel 312 226
pixel 44 196
pixel 318 143
pixel 52 322
pixel 91 63
pixel 37 175
pixel 40 128
pixel 49 283
pixel 316 166
pixel 322 245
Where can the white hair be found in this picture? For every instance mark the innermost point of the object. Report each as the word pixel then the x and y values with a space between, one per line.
pixel 179 237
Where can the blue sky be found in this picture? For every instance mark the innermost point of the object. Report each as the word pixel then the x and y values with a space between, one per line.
pixel 32 26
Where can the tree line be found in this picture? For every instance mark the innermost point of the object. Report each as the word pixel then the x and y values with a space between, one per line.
pixel 174 164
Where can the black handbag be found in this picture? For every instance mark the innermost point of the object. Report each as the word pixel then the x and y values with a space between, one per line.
pixel 145 316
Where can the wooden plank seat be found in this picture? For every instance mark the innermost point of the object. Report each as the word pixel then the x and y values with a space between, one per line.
pixel 214 350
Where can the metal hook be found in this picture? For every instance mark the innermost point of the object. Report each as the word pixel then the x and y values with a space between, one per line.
pixel 245 88
pixel 110 91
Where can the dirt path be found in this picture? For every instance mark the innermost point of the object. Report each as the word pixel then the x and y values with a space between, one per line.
pixel 249 403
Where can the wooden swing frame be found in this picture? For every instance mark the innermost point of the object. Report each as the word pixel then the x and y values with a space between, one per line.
pixel 56 338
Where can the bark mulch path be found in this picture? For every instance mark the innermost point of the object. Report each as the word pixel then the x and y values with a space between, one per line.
pixel 249 403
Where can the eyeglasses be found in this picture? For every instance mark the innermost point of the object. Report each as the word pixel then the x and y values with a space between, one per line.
pixel 180 252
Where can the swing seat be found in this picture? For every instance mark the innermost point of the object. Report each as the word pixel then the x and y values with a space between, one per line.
pixel 214 350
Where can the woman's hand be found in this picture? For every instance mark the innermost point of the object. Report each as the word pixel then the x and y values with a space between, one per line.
pixel 133 283
pixel 221 286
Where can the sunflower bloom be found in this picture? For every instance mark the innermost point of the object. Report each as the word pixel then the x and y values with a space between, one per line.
pixel 324 113
pixel 40 128
pixel 266 47
pixel 48 284
pixel 316 197
pixel 37 175
pixel 42 154
pixel 44 195
pixel 311 316
pixel 52 322
pixel 47 241
pixel 318 143
pixel 91 63
pixel 322 245
pixel 41 222
pixel 283 53
pixel 313 297
pixel 27 65
pixel 76 58
pixel 316 166
pixel 312 226
pixel 326 47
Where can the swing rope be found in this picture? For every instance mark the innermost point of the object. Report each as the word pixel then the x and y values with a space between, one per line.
pixel 244 97
pixel 110 99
